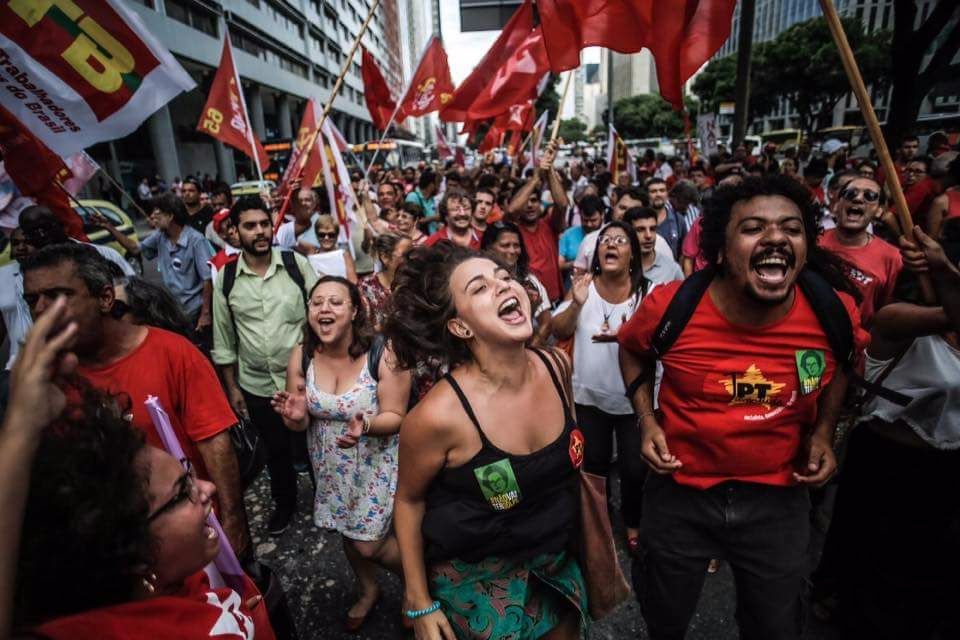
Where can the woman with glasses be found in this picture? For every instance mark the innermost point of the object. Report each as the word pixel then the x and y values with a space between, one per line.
pixel 107 536
pixel 503 241
pixel 597 305
pixel 351 403
pixel 329 259
pixel 408 222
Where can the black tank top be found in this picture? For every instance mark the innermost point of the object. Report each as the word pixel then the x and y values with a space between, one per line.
pixel 504 505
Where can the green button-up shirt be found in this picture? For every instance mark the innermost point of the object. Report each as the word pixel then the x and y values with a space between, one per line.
pixel 268 316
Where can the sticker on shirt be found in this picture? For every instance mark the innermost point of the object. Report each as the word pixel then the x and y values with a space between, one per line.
pixel 752 388
pixel 498 484
pixel 810 367
pixel 576 448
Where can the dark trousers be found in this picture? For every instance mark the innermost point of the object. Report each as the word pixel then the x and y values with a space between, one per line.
pixel 761 531
pixel 598 429
pixel 896 527
pixel 279 442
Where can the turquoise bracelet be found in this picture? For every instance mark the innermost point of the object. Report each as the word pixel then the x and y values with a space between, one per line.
pixel 419 613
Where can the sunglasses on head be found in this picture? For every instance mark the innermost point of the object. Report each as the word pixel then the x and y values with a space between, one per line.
pixel 850 194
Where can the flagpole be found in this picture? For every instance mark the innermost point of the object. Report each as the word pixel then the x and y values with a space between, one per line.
pixel 396 110
pixel 328 107
pixel 563 99
pixel 122 191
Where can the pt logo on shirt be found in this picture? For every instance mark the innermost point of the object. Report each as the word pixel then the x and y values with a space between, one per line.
pixel 498 484
pixel 750 387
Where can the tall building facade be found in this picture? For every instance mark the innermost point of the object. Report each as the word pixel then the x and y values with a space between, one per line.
pixel 773 17
pixel 286 52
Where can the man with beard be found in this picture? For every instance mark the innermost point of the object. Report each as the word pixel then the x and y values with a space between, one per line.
pixel 741 431
pixel 200 214
pixel 138 361
pixel 258 314
pixel 456 209
pixel 541 228
pixel 630 199
pixel 670 223
pixel 873 264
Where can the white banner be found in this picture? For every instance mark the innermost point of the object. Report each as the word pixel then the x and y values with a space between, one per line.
pixel 707 133
pixel 79 72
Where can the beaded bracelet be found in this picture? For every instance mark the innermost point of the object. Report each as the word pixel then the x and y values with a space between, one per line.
pixel 419 613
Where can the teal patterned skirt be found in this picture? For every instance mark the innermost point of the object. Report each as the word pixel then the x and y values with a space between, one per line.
pixel 503 599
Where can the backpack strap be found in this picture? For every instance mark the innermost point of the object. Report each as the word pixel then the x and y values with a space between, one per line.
pixel 680 310
pixel 374 355
pixel 293 270
pixel 228 278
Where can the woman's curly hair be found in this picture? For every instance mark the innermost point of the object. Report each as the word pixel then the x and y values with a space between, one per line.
pixel 421 306
pixel 86 541
pixel 718 208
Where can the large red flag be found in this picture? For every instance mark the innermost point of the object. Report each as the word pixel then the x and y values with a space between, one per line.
pixel 492 140
pixel 681 34
pixel 515 81
pixel 431 86
pixel 225 115
pixel 380 101
pixel 514 33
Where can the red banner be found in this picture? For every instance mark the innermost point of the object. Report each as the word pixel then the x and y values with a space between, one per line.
pixel 431 87
pixel 224 117
pixel 376 93
pixel 515 81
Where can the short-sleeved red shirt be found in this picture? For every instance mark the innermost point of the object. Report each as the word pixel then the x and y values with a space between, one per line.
pixel 197 612
pixel 735 402
pixel 169 367
pixel 542 246
pixel 874 269
pixel 444 234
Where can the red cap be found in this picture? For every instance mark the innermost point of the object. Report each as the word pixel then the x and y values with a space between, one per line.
pixel 219 217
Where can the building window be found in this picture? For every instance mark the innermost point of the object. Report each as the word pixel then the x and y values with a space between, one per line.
pixel 192 15
pixel 147 3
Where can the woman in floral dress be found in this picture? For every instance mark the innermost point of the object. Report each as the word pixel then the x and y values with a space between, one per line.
pixel 351 405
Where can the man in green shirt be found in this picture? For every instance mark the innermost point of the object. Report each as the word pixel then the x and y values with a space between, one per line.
pixel 255 326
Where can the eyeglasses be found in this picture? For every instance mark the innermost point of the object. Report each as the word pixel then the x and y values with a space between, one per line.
pixel 188 491
pixel 850 194
pixel 328 235
pixel 617 240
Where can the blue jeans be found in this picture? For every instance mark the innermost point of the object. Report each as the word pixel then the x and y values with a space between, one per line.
pixel 762 531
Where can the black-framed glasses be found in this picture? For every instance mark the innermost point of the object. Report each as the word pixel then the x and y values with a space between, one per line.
pixel 850 194
pixel 187 490
pixel 330 235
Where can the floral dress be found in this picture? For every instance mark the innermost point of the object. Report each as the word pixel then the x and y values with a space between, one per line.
pixel 355 486
pixel 376 296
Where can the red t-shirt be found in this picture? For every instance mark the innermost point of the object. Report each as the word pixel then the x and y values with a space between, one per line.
pixel 222 259
pixel 543 248
pixel 953 204
pixel 732 402
pixel 197 612
pixel 920 196
pixel 169 367
pixel 873 268
pixel 444 234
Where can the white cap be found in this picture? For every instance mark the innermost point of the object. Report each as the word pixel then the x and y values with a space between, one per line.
pixel 831 146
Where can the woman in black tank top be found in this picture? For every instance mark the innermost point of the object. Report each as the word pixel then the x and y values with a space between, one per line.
pixel 488 499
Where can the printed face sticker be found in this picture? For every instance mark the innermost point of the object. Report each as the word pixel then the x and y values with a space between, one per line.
pixel 498 484
pixel 810 366
pixel 576 448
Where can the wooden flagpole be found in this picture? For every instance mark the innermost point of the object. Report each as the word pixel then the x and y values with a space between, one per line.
pixel 563 99
pixel 326 109
pixel 869 115
pixel 122 191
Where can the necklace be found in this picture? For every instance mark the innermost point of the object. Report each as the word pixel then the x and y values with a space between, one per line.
pixel 605 326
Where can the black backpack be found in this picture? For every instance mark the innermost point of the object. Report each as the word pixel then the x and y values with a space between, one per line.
pixel 826 304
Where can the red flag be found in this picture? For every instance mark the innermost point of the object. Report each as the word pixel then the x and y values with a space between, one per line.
pixel 431 86
pixel 515 81
pixel 492 140
pixel 681 34
pixel 443 147
pixel 305 136
pixel 517 118
pixel 514 33
pixel 37 171
pixel 224 117
pixel 380 101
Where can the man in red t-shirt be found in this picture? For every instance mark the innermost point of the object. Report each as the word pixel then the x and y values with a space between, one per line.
pixel 873 265
pixel 136 362
pixel 541 229
pixel 456 209
pixel 747 408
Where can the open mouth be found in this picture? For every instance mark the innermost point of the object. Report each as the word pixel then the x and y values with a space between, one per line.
pixel 611 257
pixel 855 213
pixel 772 269
pixel 510 312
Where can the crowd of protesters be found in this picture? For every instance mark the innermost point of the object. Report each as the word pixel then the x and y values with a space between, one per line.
pixel 721 335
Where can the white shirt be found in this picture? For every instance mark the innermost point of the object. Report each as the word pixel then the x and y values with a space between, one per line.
pixel 113 256
pixel 286 239
pixel 664 269
pixel 596 377
pixel 589 244
pixel 13 308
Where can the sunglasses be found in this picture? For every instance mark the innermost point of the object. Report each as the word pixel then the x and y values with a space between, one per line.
pixel 188 491
pixel 328 235
pixel 850 194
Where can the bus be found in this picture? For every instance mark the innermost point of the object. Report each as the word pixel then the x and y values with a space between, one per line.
pixel 783 138
pixel 392 152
